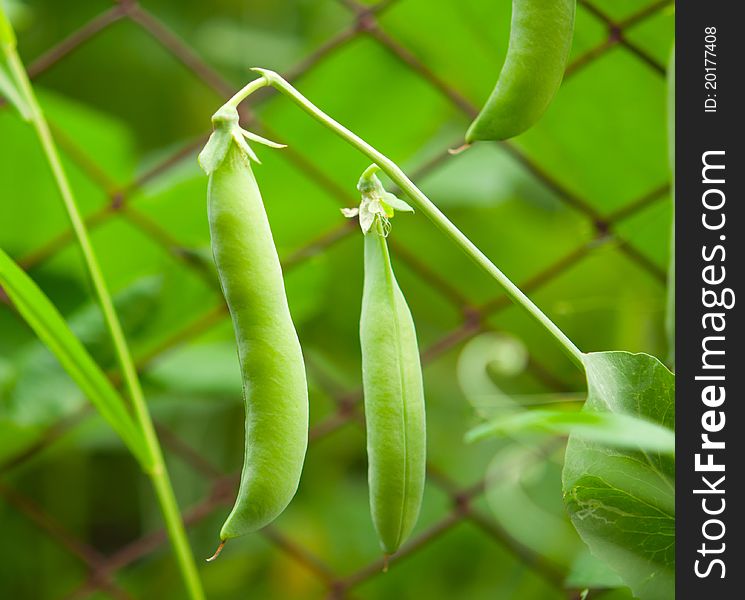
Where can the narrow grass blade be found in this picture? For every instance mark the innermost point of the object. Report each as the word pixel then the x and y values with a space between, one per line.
pixel 42 316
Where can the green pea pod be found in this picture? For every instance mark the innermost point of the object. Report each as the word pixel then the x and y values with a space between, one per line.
pixel 540 40
pixel 274 384
pixel 394 394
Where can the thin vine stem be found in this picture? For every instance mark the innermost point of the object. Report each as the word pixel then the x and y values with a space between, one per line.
pixel 270 78
pixel 246 91
pixel 156 469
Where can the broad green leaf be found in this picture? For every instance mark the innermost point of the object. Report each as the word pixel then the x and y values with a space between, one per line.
pixel 588 571
pixel 199 370
pixel 135 306
pixel 514 481
pixel 616 430
pixel 622 502
pixel 41 392
pixel 42 316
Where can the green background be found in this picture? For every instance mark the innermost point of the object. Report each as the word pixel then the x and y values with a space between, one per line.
pixel 577 210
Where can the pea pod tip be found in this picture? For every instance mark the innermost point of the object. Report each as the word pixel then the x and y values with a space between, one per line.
pixel 386 562
pixel 217 552
pixel 459 149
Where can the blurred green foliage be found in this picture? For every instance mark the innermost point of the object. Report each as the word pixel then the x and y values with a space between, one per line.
pixel 121 103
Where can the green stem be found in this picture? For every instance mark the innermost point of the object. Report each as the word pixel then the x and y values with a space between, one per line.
pixel 156 469
pixel 419 199
pixel 7 35
pixel 369 172
pixel 246 91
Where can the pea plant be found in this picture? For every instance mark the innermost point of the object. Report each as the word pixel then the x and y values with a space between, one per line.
pixel 133 423
pixel 618 473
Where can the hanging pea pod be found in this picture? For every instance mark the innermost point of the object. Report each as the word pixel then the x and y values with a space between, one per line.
pixel 392 378
pixel 540 40
pixel 274 384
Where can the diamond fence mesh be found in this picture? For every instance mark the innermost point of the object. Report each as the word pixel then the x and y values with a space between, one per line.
pixel 103 570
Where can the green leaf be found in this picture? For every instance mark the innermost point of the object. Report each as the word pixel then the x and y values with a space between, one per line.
pixel 615 430
pixel 202 370
pixel 622 502
pixel 515 480
pixel 42 316
pixel 588 571
pixel 41 392
pixel 136 306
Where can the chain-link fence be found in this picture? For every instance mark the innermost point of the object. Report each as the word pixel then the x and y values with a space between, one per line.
pixel 102 569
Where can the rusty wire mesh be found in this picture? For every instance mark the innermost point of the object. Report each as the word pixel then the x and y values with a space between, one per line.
pixel 102 569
